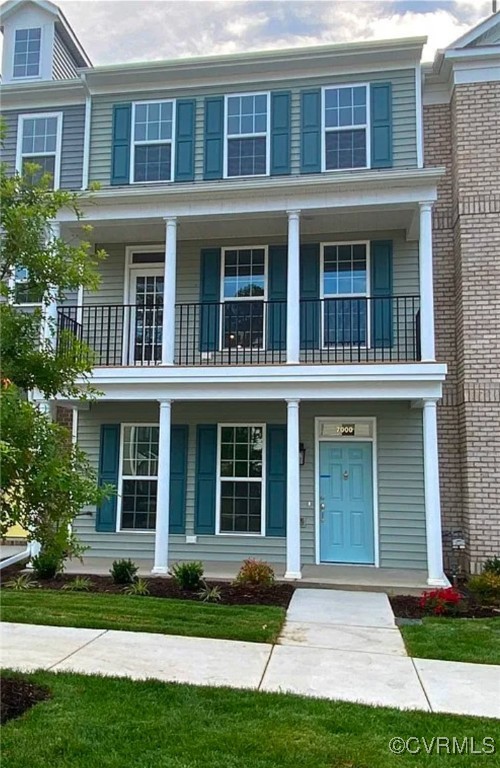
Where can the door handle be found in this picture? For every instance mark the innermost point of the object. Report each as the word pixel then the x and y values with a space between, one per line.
pixel 322 512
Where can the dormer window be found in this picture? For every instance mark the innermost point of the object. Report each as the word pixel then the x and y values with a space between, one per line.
pixel 27 47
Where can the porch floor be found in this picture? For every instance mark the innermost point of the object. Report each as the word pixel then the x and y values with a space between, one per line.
pixel 391 580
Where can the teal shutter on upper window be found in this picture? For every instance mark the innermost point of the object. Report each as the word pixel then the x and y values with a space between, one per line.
pixel 381 291
pixel 120 151
pixel 381 125
pixel 178 476
pixel 280 132
pixel 109 457
pixel 206 478
pixel 276 315
pixel 276 480
pixel 210 278
pixel 184 140
pixel 310 131
pixel 309 295
pixel 214 137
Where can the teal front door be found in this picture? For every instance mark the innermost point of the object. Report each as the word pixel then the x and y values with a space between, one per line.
pixel 346 503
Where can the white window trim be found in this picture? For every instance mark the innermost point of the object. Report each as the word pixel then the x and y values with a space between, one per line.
pixel 324 129
pixel 327 296
pixel 27 78
pixel 267 135
pixel 122 477
pixel 20 155
pixel 263 298
pixel 262 480
pixel 142 143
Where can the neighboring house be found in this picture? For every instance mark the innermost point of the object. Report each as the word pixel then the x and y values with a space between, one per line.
pixel 264 328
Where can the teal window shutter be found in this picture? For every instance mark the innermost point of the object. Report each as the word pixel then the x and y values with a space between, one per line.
pixel 184 140
pixel 381 291
pixel 120 151
pixel 178 478
pixel 109 457
pixel 276 290
pixel 214 137
pixel 310 131
pixel 206 478
pixel 276 480
pixel 309 295
pixel 280 132
pixel 381 125
pixel 210 277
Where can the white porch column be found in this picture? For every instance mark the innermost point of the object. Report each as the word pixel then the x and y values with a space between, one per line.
pixel 426 284
pixel 436 575
pixel 49 324
pixel 169 291
pixel 163 490
pixel 293 289
pixel 293 492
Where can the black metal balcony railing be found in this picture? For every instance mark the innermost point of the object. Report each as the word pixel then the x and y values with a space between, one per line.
pixel 250 332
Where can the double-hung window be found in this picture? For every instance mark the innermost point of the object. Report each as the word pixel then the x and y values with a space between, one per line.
pixel 25 292
pixel 39 143
pixel 27 47
pixel 244 292
pixel 241 473
pixel 139 476
pixel 345 292
pixel 153 134
pixel 247 135
pixel 345 110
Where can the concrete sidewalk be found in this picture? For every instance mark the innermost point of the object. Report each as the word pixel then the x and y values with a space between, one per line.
pixel 335 645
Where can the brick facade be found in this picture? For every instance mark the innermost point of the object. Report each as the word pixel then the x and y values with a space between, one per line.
pixel 464 136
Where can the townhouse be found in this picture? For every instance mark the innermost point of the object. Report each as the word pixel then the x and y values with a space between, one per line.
pixel 264 331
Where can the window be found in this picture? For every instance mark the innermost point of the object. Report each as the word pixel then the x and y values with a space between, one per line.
pixel 39 143
pixel 244 291
pixel 241 473
pixel 346 127
pixel 25 292
pixel 139 476
pixel 27 45
pixel 152 140
pixel 345 288
pixel 247 130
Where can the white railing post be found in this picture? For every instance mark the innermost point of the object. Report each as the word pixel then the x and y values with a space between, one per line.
pixel 169 292
pixel 436 575
pixel 163 490
pixel 293 289
pixel 293 562
pixel 426 284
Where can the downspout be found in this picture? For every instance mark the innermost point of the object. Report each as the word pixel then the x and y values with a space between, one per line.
pixel 86 135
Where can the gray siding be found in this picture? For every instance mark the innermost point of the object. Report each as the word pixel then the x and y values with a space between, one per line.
pixel 400 481
pixel 63 67
pixel 404 117
pixel 73 130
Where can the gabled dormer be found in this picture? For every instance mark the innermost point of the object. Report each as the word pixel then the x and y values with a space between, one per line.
pixel 39 43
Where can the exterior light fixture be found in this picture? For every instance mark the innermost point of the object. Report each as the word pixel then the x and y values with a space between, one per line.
pixel 302 454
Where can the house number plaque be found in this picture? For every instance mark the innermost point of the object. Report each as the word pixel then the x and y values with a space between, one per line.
pixel 346 429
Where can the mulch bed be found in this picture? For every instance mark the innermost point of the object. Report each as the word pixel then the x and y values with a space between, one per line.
pixel 17 696
pixel 408 607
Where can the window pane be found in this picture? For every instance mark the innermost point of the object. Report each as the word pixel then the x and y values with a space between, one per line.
pixel 246 114
pixel 44 165
pixel 139 504
pixel 241 507
pixel 244 273
pixel 153 121
pixel 140 451
pixel 345 321
pixel 243 325
pixel 241 452
pixel 344 269
pixel 27 52
pixel 247 157
pixel 345 149
pixel 152 162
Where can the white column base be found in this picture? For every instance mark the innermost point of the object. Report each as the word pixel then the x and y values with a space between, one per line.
pixel 159 571
pixel 293 575
pixel 441 582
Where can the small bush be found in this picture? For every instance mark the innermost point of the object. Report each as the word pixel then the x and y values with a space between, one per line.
pixel 441 601
pixel 209 594
pixel 123 571
pixel 47 565
pixel 187 575
pixel 79 584
pixel 486 588
pixel 492 565
pixel 138 587
pixel 256 573
pixel 21 583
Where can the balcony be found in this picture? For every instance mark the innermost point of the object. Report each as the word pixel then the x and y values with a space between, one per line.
pixel 350 330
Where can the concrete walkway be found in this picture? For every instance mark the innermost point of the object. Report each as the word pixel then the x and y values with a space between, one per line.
pixel 335 645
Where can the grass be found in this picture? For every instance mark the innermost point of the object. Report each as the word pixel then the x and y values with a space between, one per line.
pixel 473 640
pixel 253 623
pixel 113 723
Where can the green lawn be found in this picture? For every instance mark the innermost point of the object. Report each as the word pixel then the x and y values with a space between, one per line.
pixel 94 722
pixel 254 623
pixel 474 640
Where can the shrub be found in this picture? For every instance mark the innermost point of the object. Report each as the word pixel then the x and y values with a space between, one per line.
pixel 492 565
pixel 486 588
pixel 187 575
pixel 79 584
pixel 255 573
pixel 47 564
pixel 209 594
pixel 21 583
pixel 441 601
pixel 138 587
pixel 123 571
